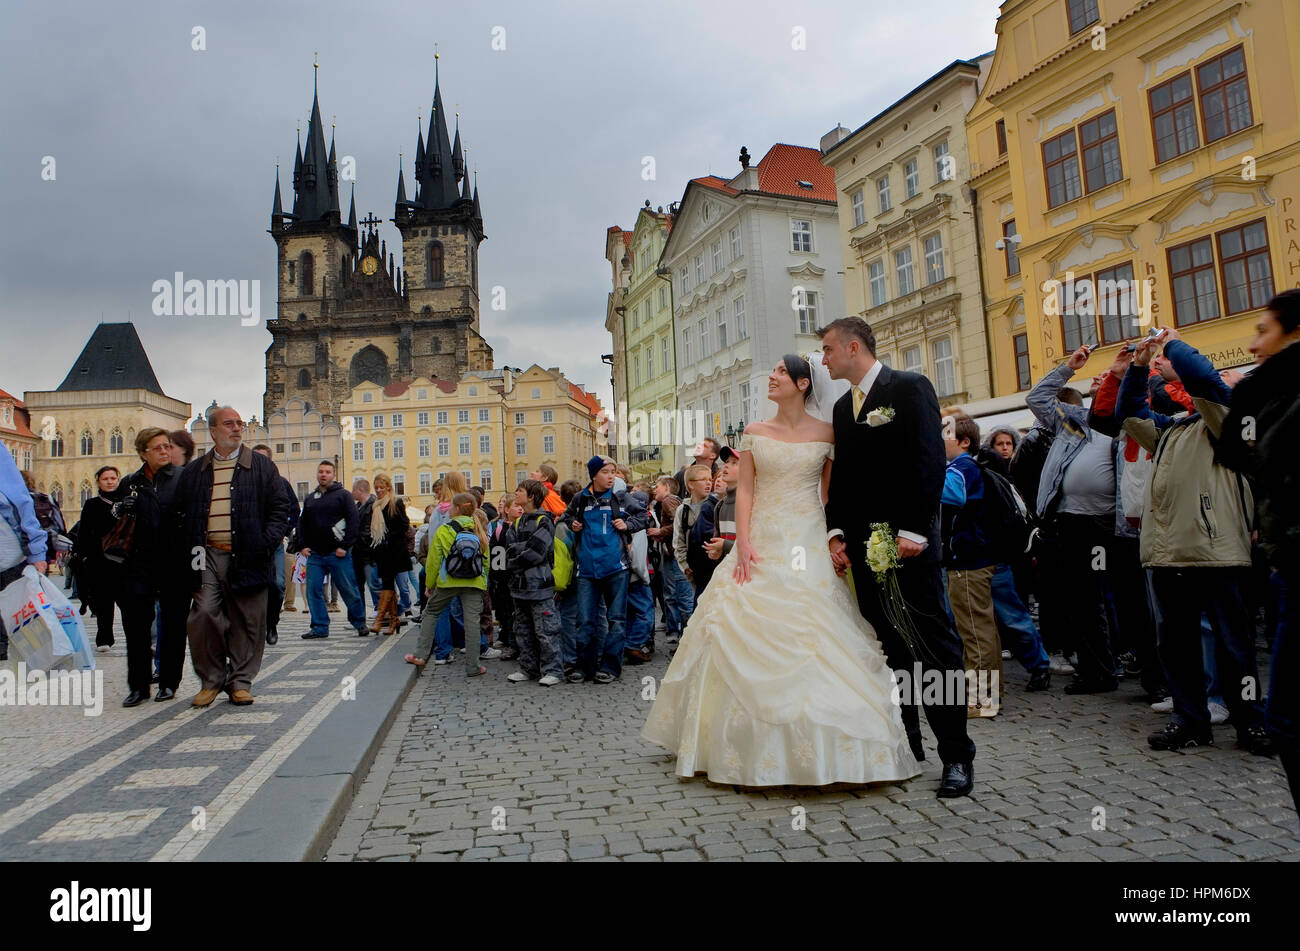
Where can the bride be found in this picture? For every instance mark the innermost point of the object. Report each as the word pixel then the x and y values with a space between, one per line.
pixel 778 679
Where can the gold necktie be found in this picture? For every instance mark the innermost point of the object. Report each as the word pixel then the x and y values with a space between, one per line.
pixel 858 399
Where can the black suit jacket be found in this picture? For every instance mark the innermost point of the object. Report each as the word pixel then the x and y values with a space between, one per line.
pixel 891 473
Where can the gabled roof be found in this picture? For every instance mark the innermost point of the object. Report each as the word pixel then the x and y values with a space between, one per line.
pixel 784 166
pixel 586 399
pixel 20 427
pixel 716 183
pixel 396 389
pixel 113 359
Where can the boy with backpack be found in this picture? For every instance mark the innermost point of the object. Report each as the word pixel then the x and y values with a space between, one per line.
pixel 970 564
pixel 603 521
pixel 457 566
pixel 530 561
pixel 640 594
pixel 566 588
pixel 692 526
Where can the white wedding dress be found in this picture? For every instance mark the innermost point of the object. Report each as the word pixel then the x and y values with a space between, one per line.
pixel 781 681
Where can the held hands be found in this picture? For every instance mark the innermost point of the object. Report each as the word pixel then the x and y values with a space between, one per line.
pixel 713 548
pixel 745 558
pixel 839 557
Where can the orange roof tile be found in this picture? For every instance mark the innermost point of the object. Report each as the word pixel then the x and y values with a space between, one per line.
pixel 719 184
pixel 784 166
pixel 396 389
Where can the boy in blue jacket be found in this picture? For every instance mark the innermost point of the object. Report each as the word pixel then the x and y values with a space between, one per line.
pixel 603 521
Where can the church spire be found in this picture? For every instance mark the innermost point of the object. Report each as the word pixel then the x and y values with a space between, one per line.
pixel 438 183
pixel 352 211
pixel 457 161
pixel 315 194
pixel 401 189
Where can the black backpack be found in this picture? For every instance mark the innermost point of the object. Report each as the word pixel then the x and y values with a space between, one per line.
pixel 1004 519
pixel 465 557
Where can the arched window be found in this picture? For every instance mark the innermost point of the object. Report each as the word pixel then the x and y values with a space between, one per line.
pixel 437 345
pixel 56 446
pixel 434 269
pixel 86 492
pixel 304 380
pixel 305 266
pixel 56 493
pixel 115 442
pixel 473 268
pixel 87 444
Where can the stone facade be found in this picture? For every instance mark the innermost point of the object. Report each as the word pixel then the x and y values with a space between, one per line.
pixel 909 241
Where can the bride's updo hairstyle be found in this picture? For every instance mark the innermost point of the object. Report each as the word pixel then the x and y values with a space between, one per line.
pixel 799 369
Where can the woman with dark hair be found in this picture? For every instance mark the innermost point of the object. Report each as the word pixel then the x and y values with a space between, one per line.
pixel 1260 438
pixel 99 581
pixel 807 701
pixel 149 570
pixel 388 526
pixel 182 448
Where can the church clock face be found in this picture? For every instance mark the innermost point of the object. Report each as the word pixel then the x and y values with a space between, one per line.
pixel 369 264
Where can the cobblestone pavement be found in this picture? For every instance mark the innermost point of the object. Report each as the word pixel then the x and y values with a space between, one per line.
pixel 128 785
pixel 486 769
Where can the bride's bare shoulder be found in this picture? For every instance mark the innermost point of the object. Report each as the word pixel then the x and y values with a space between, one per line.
pixel 758 428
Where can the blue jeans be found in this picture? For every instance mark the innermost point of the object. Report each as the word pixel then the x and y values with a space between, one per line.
pixel 679 598
pixel 277 555
pixel 640 615
pixel 1015 626
pixel 372 585
pixel 595 651
pixel 449 622
pixel 340 571
pixel 403 583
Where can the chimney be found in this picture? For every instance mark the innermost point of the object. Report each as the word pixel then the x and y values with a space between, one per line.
pixel 833 138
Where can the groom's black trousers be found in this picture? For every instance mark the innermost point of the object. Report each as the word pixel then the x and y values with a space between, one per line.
pixel 922 585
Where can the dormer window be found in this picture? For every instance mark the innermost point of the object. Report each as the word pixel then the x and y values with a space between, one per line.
pixel 807 186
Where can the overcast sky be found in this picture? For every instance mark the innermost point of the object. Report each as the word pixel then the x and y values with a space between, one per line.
pixel 165 156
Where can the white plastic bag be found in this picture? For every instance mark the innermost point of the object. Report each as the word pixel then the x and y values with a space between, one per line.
pixel 36 635
pixel 83 655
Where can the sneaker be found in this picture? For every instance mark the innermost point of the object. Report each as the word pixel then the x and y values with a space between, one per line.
pixel 517 677
pixel 1040 680
pixel 442 661
pixel 313 635
pixel 498 644
pixel 1061 664
pixel 1164 706
pixel 1006 655
pixel 1256 740
pixel 604 677
pixel 102 648
pixel 550 680
pixel 1218 713
pixel 1129 662
pixel 332 608
pixel 635 657
pixel 574 676
pixel 1175 736
pixel 490 654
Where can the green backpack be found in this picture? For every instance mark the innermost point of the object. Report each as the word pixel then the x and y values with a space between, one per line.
pixel 562 569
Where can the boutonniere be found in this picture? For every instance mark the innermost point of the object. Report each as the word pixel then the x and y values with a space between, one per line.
pixel 880 415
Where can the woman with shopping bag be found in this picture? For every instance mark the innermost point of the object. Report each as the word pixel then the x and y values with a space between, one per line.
pixel 142 540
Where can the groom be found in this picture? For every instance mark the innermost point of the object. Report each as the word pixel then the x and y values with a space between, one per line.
pixel 893 472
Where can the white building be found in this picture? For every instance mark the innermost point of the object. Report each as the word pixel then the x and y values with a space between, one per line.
pixel 756 269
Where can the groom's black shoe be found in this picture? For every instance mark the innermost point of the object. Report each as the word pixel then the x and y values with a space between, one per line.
pixel 958 780
pixel 914 740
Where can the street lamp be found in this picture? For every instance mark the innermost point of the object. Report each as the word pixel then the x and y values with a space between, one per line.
pixel 731 434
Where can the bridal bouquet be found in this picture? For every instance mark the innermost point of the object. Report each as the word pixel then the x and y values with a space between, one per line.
pixel 883 560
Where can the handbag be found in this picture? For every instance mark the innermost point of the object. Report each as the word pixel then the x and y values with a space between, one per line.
pixel 117 543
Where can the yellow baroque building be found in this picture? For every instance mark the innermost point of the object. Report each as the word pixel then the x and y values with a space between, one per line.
pixel 1134 164
pixel 494 426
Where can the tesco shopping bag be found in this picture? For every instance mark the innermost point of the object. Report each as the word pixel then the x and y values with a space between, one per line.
pixel 83 655
pixel 36 635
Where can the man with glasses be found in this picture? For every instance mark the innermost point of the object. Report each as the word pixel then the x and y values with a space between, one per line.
pixel 233 516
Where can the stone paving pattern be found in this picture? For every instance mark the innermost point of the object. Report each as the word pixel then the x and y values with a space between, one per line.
pixel 123 786
pixel 486 769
